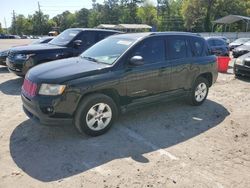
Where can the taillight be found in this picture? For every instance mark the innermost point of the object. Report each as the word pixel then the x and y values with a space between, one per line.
pixel 29 88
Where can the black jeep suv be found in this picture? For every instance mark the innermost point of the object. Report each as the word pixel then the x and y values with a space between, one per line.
pixel 69 43
pixel 118 73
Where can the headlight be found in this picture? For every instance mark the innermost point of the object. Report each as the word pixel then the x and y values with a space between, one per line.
pixel 239 62
pixel 23 56
pixel 51 89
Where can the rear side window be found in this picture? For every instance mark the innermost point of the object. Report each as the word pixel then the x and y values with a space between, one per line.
pixel 177 48
pixel 152 50
pixel 198 47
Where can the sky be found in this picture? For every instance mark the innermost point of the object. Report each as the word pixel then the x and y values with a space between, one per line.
pixel 50 7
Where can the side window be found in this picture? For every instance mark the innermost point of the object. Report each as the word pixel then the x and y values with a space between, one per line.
pixel 100 36
pixel 87 38
pixel 198 47
pixel 152 50
pixel 177 48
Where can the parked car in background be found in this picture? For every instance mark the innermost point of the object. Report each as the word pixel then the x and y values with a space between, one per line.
pixel 223 38
pixel 241 50
pixel 7 36
pixel 238 42
pixel 69 43
pixel 242 65
pixel 117 74
pixel 218 46
pixel 3 56
pixel 4 53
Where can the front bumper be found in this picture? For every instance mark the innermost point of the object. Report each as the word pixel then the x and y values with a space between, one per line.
pixel 242 70
pixel 16 67
pixel 33 109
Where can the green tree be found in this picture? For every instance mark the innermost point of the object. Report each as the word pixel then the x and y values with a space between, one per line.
pixel 1 29
pixel 147 13
pixel 193 14
pixel 81 18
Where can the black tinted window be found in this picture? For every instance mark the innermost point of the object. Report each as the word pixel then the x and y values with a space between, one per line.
pixel 152 50
pixel 177 48
pixel 198 47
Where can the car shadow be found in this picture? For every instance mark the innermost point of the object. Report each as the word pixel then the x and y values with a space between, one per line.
pixel 243 78
pixel 52 153
pixel 12 87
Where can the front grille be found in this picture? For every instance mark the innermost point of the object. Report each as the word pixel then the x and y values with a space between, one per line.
pixel 29 88
pixel 11 55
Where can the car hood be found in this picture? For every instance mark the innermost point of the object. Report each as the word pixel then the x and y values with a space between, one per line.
pixel 59 71
pixel 235 44
pixel 242 47
pixel 36 48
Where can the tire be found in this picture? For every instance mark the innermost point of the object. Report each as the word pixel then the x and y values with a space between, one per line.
pixel 95 115
pixel 199 91
pixel 238 75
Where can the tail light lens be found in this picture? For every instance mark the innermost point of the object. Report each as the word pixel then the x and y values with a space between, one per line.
pixel 29 88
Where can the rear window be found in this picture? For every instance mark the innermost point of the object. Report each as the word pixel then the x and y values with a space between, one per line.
pixel 219 43
pixel 211 42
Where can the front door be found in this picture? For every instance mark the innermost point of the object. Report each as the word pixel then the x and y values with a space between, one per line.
pixel 145 80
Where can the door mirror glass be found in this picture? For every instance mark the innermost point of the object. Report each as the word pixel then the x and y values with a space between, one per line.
pixel 136 60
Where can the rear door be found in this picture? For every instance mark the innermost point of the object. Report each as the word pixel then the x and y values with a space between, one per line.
pixel 180 58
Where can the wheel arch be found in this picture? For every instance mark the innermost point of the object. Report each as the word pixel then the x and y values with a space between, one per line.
pixel 208 76
pixel 112 93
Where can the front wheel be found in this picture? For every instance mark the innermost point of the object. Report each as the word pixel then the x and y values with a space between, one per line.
pixel 199 91
pixel 95 115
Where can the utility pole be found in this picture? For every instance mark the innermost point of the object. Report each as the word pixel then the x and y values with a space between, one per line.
pixel 5 25
pixel 14 22
pixel 40 18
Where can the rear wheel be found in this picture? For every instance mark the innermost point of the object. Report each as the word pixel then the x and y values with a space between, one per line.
pixel 95 115
pixel 199 91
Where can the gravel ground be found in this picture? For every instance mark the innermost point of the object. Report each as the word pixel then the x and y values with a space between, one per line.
pixel 164 145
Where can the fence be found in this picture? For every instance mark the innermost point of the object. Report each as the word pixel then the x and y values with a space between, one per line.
pixel 230 35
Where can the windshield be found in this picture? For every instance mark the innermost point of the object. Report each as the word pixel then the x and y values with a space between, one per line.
pixel 40 41
pixel 65 37
pixel 108 50
pixel 242 40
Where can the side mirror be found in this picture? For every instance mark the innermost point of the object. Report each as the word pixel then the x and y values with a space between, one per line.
pixel 136 60
pixel 77 43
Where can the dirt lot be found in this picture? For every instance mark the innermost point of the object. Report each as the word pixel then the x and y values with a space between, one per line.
pixel 167 145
